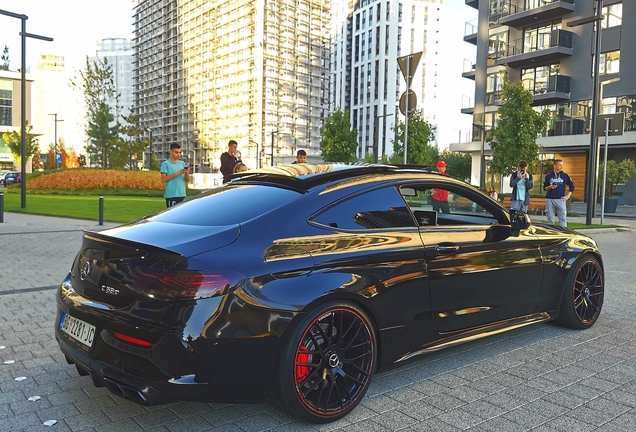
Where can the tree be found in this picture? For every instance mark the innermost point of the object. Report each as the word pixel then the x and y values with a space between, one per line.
pixel 5 62
pixel 98 87
pixel 339 141
pixel 134 145
pixel 419 151
pixel 518 127
pixel 14 141
pixel 81 160
pixel 458 164
pixel 50 158
pixel 617 173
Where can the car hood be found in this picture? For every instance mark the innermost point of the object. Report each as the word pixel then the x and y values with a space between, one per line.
pixel 186 240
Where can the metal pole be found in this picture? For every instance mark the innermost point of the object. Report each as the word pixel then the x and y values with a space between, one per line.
pixel 590 186
pixel 482 158
pixel 23 116
pixel 607 123
pixel 406 111
pixel 55 149
pixel 1 207
pixel 272 161
pixel 101 209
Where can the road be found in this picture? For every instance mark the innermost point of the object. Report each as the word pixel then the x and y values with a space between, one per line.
pixel 541 378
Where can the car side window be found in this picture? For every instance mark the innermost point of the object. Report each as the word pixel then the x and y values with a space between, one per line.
pixel 459 209
pixel 380 208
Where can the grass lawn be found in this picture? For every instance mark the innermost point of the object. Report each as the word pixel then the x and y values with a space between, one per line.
pixel 116 208
pixel 582 226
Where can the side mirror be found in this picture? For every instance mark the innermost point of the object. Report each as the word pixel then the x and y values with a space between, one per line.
pixel 519 220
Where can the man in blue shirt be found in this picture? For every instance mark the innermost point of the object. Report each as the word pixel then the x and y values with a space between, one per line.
pixel 556 196
pixel 175 174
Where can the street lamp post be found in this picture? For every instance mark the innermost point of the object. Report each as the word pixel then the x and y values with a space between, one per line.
pixel 24 35
pixel 55 145
pixel 272 155
pixel 592 163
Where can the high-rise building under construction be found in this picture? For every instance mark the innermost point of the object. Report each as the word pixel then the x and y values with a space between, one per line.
pixel 255 71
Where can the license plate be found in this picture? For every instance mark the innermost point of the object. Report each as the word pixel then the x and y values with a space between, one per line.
pixel 78 330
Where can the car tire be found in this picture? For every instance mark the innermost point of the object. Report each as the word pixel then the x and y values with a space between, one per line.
pixel 583 294
pixel 327 363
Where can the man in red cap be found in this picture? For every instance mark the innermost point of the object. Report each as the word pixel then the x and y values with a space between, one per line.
pixel 439 197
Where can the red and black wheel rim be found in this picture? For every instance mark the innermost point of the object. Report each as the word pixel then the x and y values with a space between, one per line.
pixel 588 291
pixel 334 362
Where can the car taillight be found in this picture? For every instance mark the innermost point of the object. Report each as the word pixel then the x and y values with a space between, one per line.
pixel 181 284
pixel 132 340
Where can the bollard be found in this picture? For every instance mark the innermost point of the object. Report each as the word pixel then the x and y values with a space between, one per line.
pixel 101 209
pixel 1 207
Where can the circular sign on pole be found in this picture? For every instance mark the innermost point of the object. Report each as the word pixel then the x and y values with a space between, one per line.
pixel 412 102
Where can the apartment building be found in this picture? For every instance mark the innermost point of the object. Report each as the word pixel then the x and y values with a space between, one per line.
pixel 10 112
pixel 545 44
pixel 367 38
pixel 119 54
pixel 252 71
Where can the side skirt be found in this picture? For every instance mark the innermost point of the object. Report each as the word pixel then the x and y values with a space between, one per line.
pixel 478 333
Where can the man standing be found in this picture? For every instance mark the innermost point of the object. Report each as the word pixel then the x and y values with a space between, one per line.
pixel 301 157
pixel 521 183
pixel 439 197
pixel 556 196
pixel 175 174
pixel 229 159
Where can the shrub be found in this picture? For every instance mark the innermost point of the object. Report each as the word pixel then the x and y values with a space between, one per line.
pixel 89 178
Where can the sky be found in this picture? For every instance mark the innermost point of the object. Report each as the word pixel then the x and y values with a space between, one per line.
pixel 74 25
pixel 77 25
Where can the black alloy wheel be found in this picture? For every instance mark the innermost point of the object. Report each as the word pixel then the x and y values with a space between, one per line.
pixel 327 365
pixel 583 295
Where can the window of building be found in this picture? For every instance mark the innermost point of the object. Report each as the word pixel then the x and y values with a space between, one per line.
pixel 610 63
pixel 539 37
pixel 496 46
pixel 494 84
pixel 6 102
pixel 537 80
pixel 612 15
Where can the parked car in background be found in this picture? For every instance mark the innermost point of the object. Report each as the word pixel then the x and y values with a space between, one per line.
pixel 298 282
pixel 10 177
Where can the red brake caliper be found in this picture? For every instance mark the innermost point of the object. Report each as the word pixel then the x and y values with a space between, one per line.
pixel 301 371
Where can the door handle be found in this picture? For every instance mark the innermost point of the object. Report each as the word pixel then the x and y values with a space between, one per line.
pixel 447 249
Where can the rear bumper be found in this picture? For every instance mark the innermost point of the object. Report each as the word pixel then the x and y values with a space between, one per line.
pixel 214 350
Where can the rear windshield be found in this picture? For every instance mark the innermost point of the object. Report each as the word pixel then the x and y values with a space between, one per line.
pixel 227 205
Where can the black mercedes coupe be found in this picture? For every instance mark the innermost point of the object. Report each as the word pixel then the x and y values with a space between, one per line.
pixel 297 283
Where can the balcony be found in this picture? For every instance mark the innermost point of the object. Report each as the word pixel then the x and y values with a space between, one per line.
pixel 470 32
pixel 469 68
pixel 468 105
pixel 556 90
pixel 473 3
pixel 533 51
pixel 520 13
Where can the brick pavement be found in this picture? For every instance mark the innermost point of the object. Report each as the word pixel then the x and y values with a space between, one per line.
pixel 540 378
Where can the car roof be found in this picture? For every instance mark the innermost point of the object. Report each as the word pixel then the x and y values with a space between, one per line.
pixel 303 177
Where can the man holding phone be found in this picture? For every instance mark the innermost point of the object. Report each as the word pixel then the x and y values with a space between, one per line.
pixel 175 174
pixel 521 183
pixel 556 196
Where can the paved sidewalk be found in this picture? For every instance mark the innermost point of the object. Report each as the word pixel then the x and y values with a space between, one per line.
pixel 37 251
pixel 540 378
